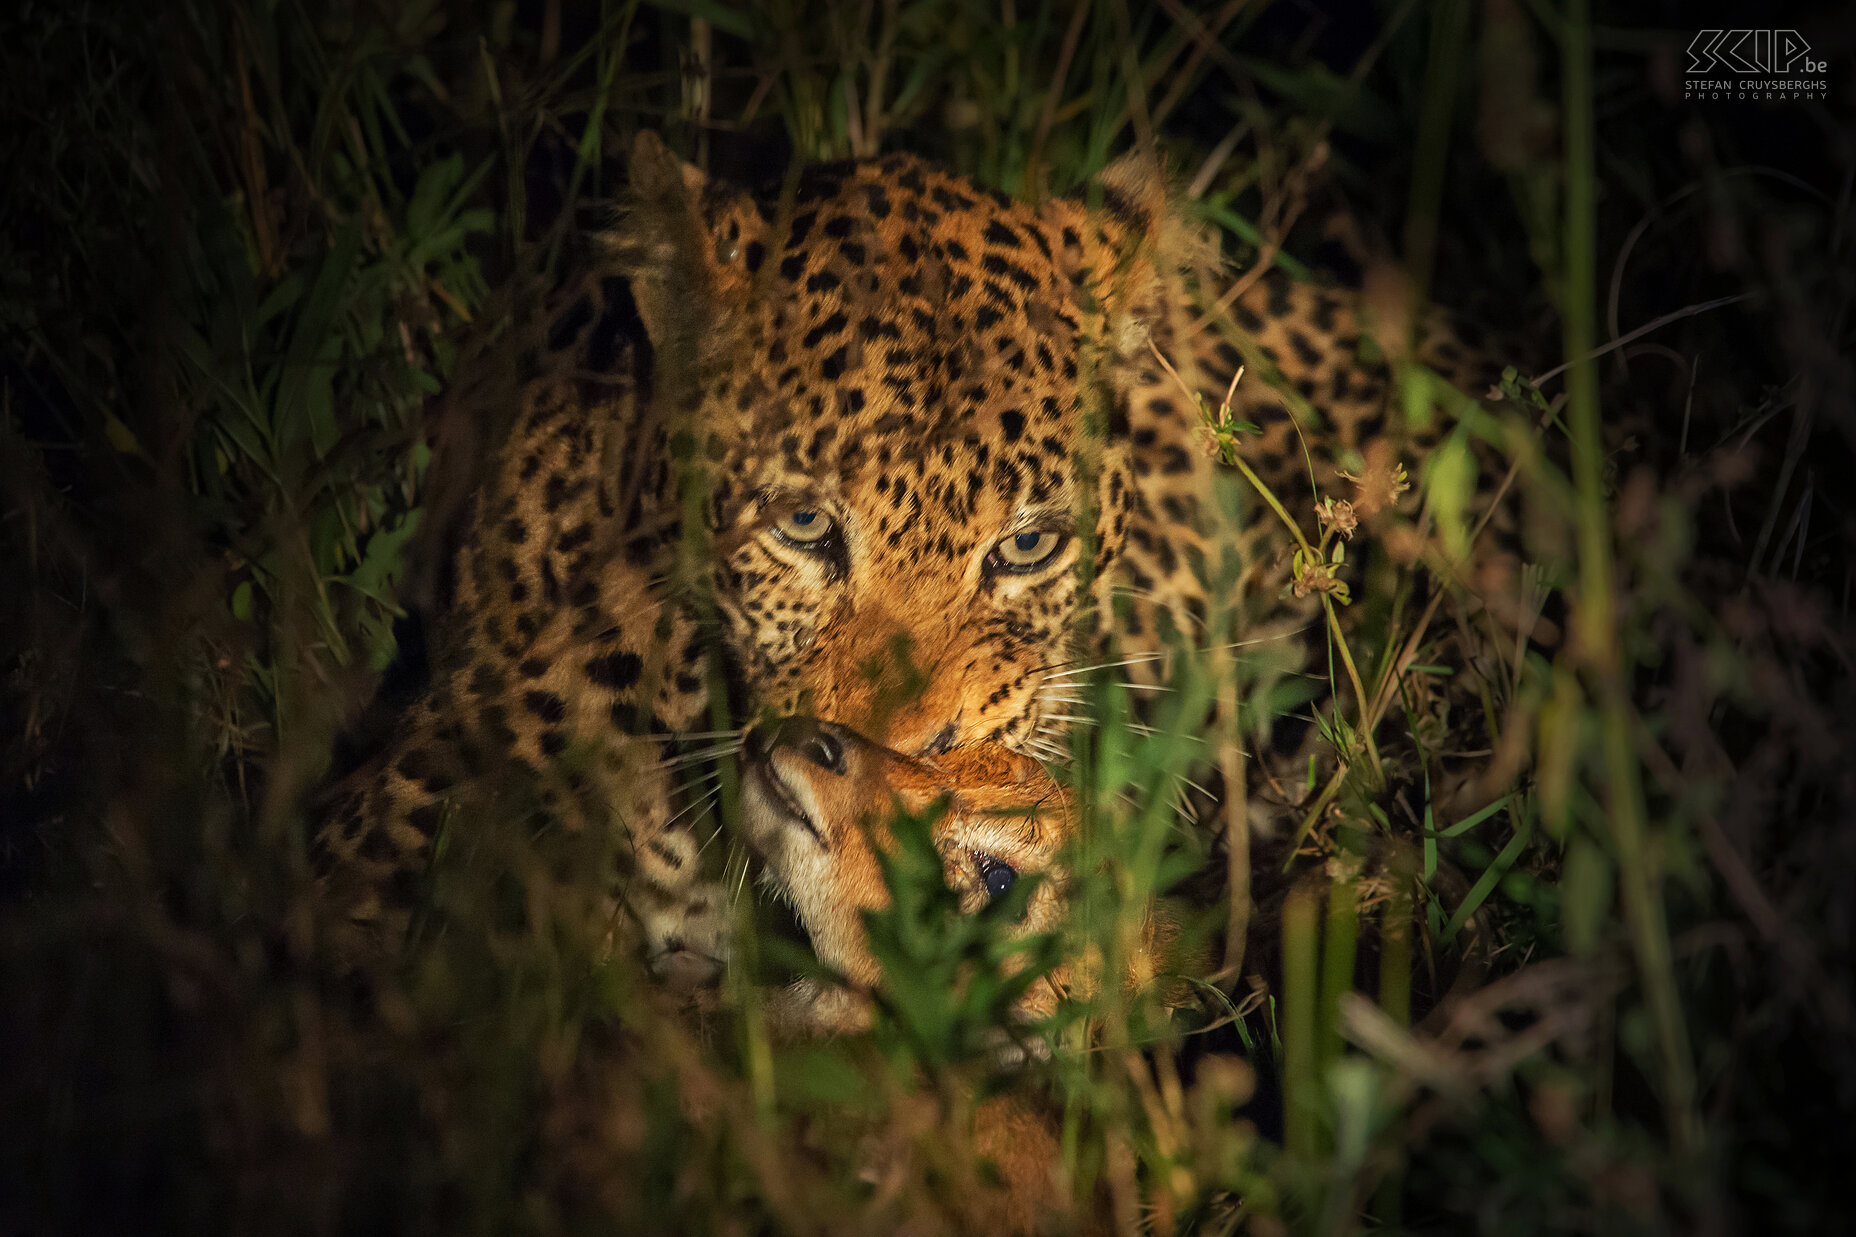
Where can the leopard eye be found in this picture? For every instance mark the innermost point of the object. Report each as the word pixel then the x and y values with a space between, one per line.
pixel 1026 550
pixel 805 527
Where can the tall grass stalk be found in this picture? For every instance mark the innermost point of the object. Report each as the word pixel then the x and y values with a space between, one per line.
pixel 1301 1034
pixel 1597 638
pixel 1449 34
pixel 1395 933
pixel 1339 942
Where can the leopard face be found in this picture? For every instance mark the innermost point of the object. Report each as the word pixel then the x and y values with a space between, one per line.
pixel 908 406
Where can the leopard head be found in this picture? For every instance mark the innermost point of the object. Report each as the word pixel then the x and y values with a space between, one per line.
pixel 900 401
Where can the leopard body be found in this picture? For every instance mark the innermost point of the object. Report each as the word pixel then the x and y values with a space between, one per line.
pixel 887 451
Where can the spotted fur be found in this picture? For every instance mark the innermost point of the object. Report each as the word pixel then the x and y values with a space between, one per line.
pixel 942 374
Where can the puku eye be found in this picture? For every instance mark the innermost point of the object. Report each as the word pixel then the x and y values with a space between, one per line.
pixel 1025 551
pixel 805 527
pixel 998 878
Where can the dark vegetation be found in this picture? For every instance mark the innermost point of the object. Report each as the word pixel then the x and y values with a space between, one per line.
pixel 246 245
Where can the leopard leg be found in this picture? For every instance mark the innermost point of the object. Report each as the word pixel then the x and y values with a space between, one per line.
pixel 565 664
pixel 562 717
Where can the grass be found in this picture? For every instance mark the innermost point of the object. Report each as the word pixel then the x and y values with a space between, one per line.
pixel 257 262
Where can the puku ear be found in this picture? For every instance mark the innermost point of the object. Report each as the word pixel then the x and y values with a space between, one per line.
pixel 1035 812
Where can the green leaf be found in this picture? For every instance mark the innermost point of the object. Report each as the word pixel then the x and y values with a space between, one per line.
pixel 316 341
pixel 425 211
pixel 1449 482
pixel 1491 876
pixel 120 435
pixel 1416 387
pixel 280 298
pixel 319 399
pixel 820 1077
pixel 1477 817
pixel 926 947
pixel 1585 895
pixel 1318 91
pixel 381 560
pixel 1248 232
pixel 912 86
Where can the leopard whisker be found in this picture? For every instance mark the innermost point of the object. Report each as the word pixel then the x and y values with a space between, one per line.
pixel 1182 806
pixel 1049 666
pixel 1065 696
pixel 1148 595
pixel 1188 781
pixel 1107 665
pixel 1048 751
pixel 734 742
pixel 681 736
pixel 710 778
pixel 1151 731
pixel 703 802
pixel 616 622
pixel 741 885
pixel 1054 672
pixel 1137 727
pixel 711 839
pixel 1051 738
pixel 708 753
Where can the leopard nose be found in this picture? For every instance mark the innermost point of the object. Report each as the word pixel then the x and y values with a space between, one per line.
pixel 819 742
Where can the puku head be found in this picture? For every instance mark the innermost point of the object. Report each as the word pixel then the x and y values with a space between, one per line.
pixel 819 802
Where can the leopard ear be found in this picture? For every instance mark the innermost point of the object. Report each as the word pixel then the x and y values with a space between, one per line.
pixel 1138 193
pixel 654 167
pixel 661 246
pixel 1133 191
pixel 690 248
pixel 1147 244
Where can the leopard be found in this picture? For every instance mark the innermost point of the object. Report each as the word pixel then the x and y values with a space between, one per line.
pixel 876 445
